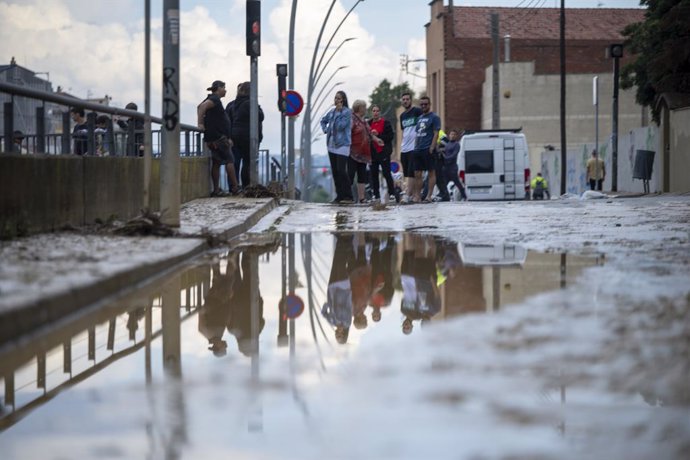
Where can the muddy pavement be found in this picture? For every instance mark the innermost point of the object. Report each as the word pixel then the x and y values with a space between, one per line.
pixel 604 361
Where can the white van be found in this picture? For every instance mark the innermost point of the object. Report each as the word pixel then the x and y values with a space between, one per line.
pixel 494 165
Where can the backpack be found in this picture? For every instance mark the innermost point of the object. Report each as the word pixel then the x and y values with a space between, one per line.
pixel 360 149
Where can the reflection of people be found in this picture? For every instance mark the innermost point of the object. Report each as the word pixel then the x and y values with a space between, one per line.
pixel 421 298
pixel 215 313
pixel 596 171
pixel 381 275
pixel 239 322
pixel 360 279
pixel 338 307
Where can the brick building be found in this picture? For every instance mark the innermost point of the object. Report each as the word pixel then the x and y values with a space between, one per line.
pixel 459 49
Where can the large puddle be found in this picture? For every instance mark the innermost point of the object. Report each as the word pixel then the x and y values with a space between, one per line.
pixel 234 338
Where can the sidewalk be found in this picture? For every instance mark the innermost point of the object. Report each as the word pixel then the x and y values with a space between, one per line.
pixel 47 276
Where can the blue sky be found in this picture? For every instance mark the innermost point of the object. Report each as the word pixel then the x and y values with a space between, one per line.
pixel 95 47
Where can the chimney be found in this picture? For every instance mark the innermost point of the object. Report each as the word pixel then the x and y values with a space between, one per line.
pixel 506 42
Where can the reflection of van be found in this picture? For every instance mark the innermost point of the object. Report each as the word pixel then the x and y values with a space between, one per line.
pixel 494 165
pixel 479 255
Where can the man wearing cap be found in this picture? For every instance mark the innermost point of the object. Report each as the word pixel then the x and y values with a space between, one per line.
pixel 17 140
pixel 214 122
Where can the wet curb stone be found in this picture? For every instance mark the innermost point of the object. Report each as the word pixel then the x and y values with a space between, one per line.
pixel 22 319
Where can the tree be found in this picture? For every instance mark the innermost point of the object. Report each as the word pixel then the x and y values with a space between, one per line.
pixel 387 97
pixel 662 54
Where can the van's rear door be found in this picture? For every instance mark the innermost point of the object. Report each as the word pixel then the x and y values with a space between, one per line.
pixel 482 169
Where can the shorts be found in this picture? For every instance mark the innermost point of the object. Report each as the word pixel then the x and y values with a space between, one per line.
pixel 423 160
pixel 407 165
pixel 221 151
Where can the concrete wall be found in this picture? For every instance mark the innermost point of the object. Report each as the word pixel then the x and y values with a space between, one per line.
pixel 679 150
pixel 646 138
pixel 40 193
pixel 532 101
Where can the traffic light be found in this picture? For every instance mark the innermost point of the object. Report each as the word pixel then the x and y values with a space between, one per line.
pixel 281 71
pixel 615 50
pixel 253 28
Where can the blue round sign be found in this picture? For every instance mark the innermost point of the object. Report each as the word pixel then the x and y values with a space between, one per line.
pixel 294 306
pixel 293 103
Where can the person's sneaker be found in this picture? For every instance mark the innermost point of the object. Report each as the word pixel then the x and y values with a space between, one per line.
pixel 219 193
pixel 346 201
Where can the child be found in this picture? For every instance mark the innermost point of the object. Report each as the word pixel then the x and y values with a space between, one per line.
pixel 450 162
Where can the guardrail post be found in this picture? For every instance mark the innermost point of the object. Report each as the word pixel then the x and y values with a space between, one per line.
pixel 91 140
pixel 9 125
pixel 66 134
pixel 187 150
pixel 40 130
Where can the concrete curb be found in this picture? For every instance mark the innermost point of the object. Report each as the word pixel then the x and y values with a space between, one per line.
pixel 27 318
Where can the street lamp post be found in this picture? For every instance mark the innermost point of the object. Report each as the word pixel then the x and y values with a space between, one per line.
pixel 313 71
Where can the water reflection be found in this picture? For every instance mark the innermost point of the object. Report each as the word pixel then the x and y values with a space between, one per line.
pixel 236 295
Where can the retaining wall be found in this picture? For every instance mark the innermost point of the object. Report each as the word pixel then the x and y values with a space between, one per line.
pixel 42 193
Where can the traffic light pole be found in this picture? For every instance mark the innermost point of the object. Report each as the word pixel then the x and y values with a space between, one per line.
pixel 253 36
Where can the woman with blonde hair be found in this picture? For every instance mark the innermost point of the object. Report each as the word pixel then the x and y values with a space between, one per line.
pixel 360 150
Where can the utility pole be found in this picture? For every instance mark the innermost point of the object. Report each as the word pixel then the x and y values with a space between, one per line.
pixel 147 106
pixel 254 51
pixel 495 97
pixel 291 120
pixel 616 52
pixel 170 130
pixel 564 156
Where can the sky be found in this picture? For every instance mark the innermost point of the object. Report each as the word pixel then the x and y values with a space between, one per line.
pixel 93 48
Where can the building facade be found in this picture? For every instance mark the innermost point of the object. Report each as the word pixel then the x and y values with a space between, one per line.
pixel 460 48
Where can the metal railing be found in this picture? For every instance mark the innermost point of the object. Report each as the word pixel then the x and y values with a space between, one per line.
pixel 95 141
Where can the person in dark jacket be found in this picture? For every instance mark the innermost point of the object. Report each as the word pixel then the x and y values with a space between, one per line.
pixel 381 154
pixel 238 112
pixel 135 145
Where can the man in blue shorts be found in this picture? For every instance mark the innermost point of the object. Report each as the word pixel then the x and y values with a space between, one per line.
pixel 424 157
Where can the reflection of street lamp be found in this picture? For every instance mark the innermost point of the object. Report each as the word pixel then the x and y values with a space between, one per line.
pixel 313 71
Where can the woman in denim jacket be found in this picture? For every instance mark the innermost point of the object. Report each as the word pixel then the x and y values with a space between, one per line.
pixel 337 125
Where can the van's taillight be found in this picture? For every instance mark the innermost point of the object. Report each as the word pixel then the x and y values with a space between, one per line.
pixel 527 179
pixel 461 175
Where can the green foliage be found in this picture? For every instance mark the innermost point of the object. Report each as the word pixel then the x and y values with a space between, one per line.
pixel 662 52
pixel 387 97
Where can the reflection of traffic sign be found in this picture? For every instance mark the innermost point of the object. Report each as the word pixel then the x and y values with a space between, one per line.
pixel 292 307
pixel 395 166
pixel 293 103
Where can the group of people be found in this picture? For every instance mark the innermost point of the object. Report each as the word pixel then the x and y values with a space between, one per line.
pixel 103 133
pixel 226 133
pixel 356 145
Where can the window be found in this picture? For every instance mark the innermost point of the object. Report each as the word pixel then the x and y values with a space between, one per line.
pixel 479 161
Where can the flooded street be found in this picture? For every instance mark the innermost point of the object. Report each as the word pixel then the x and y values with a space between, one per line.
pixel 554 331
pixel 222 353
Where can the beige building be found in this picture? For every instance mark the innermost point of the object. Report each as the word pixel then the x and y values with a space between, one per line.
pixel 532 102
